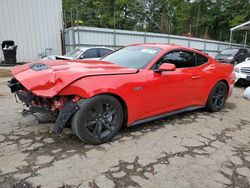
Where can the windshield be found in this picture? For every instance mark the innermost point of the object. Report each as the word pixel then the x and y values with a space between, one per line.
pixel 229 52
pixel 74 53
pixel 133 56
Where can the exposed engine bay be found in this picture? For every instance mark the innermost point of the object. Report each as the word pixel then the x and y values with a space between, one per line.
pixel 63 107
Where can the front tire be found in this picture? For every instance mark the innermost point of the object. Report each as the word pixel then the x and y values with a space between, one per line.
pixel 217 97
pixel 98 120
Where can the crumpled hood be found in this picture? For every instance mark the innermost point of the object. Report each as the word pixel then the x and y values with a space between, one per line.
pixel 47 78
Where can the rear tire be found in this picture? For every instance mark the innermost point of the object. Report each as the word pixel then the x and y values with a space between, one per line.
pixel 217 97
pixel 98 120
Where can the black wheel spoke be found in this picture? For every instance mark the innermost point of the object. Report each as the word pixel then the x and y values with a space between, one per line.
pixel 109 112
pixel 90 123
pixel 107 126
pixel 219 97
pixel 111 123
pixel 215 100
pixel 99 130
pixel 95 129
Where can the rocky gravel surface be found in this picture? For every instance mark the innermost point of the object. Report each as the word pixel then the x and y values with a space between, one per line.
pixel 195 149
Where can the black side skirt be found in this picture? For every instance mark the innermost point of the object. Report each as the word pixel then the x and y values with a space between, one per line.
pixel 166 115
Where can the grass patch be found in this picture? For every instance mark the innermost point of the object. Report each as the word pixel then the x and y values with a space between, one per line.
pixel 5 73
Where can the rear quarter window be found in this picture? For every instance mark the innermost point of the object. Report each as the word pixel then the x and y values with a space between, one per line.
pixel 200 59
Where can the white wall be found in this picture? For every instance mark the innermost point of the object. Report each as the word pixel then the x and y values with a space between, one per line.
pixel 34 25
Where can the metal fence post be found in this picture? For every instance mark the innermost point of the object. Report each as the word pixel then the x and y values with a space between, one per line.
pixel 73 37
pixel 231 38
pixel 245 41
pixel 205 46
pixel 114 39
pixel 218 47
pixel 78 36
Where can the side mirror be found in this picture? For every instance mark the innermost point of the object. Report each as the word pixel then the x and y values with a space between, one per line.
pixel 167 67
pixel 82 56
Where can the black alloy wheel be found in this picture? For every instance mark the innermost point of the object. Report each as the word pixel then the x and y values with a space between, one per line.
pixel 101 120
pixel 98 120
pixel 217 97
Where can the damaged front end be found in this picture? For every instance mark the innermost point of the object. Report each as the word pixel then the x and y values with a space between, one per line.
pixel 63 107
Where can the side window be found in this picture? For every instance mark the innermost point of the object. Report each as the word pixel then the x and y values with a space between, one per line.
pixel 200 59
pixel 91 53
pixel 104 52
pixel 181 59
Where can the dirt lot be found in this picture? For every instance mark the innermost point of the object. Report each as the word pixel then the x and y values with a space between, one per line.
pixel 4 72
pixel 196 149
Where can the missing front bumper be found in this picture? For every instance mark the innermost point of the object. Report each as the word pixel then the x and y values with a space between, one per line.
pixel 67 106
pixel 65 114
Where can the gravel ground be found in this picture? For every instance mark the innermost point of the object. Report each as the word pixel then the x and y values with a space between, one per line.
pixel 5 72
pixel 195 149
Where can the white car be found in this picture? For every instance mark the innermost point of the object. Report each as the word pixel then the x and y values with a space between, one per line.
pixel 83 53
pixel 242 71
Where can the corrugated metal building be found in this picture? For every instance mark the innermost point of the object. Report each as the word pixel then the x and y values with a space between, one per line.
pixel 34 25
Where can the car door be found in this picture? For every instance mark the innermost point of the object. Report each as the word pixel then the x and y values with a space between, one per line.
pixel 173 90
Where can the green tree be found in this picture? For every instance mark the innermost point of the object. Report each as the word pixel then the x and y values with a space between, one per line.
pixel 202 18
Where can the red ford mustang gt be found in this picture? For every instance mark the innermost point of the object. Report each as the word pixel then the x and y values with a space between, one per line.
pixel 135 84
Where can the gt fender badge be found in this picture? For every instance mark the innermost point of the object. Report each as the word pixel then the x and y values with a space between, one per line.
pixel 137 88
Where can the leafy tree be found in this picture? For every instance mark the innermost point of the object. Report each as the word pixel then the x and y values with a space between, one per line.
pixel 200 18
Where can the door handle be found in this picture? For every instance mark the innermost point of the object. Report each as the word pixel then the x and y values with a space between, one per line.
pixel 196 77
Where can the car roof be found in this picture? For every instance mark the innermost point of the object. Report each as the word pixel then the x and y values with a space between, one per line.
pixel 157 45
pixel 168 47
pixel 86 48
